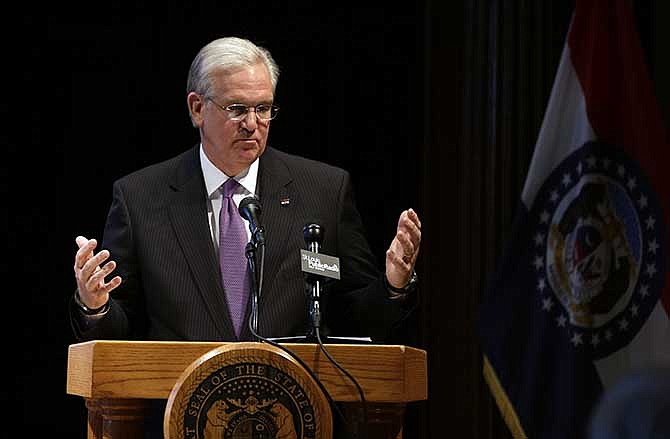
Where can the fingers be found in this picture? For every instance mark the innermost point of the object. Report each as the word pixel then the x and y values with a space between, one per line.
pixel 404 249
pixel 409 217
pixel 408 247
pixel 90 272
pixel 99 274
pixel 414 217
pixel 409 233
pixel 86 262
pixel 81 241
pixel 93 263
pixel 398 269
pixel 104 288
pixel 396 259
pixel 85 252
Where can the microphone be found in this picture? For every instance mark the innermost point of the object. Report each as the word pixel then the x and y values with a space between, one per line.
pixel 250 209
pixel 314 263
pixel 313 234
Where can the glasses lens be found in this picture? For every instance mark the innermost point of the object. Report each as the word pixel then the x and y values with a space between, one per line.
pixel 237 111
pixel 264 111
pixel 269 112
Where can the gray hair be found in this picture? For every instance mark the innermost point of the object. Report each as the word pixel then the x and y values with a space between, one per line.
pixel 225 54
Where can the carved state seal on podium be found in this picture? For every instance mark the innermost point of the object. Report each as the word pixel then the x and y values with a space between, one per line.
pixel 245 391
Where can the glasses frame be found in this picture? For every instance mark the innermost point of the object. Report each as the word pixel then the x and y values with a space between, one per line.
pixel 228 110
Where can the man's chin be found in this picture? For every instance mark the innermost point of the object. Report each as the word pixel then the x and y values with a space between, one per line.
pixel 250 154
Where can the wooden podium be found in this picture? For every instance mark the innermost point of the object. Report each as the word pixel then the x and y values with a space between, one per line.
pixel 117 378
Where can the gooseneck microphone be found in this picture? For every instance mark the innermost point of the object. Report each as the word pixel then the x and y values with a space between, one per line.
pixel 250 209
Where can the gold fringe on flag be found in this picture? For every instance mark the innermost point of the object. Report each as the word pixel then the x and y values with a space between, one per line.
pixel 502 401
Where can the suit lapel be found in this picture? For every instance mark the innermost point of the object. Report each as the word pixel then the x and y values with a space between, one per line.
pixel 188 213
pixel 278 200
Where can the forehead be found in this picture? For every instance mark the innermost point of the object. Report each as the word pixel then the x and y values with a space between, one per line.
pixel 243 83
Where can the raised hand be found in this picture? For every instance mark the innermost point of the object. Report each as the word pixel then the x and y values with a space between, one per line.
pixel 91 273
pixel 404 249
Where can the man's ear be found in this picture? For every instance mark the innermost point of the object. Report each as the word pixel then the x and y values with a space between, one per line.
pixel 196 107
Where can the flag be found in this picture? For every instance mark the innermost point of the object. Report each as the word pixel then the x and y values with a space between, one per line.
pixel 582 296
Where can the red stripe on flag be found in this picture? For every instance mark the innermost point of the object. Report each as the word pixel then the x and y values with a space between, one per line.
pixel 620 101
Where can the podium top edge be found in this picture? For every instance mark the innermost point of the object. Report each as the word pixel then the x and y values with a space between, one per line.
pixel 213 344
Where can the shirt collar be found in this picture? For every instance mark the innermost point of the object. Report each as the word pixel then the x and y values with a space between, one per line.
pixel 214 177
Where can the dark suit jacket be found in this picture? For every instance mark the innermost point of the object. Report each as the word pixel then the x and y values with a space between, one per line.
pixel 157 232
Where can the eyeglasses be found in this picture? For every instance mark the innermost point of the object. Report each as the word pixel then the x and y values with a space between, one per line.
pixel 238 112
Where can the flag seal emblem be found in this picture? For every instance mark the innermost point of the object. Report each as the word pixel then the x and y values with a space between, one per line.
pixel 598 256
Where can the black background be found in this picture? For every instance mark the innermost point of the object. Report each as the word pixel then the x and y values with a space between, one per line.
pixel 101 92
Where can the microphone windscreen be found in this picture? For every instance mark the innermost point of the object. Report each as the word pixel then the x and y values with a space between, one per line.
pixel 313 232
pixel 250 203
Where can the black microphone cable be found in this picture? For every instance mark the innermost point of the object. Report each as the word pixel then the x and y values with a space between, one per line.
pixel 364 403
pixel 256 281
pixel 257 284
pixel 333 405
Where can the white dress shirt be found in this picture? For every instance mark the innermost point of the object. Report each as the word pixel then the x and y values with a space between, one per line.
pixel 214 180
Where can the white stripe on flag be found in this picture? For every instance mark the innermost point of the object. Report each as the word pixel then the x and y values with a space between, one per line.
pixel 648 349
pixel 565 128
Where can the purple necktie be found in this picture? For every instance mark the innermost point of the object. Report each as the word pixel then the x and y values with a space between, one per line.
pixel 232 244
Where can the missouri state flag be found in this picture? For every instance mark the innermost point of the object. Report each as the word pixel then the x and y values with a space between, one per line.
pixel 582 295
